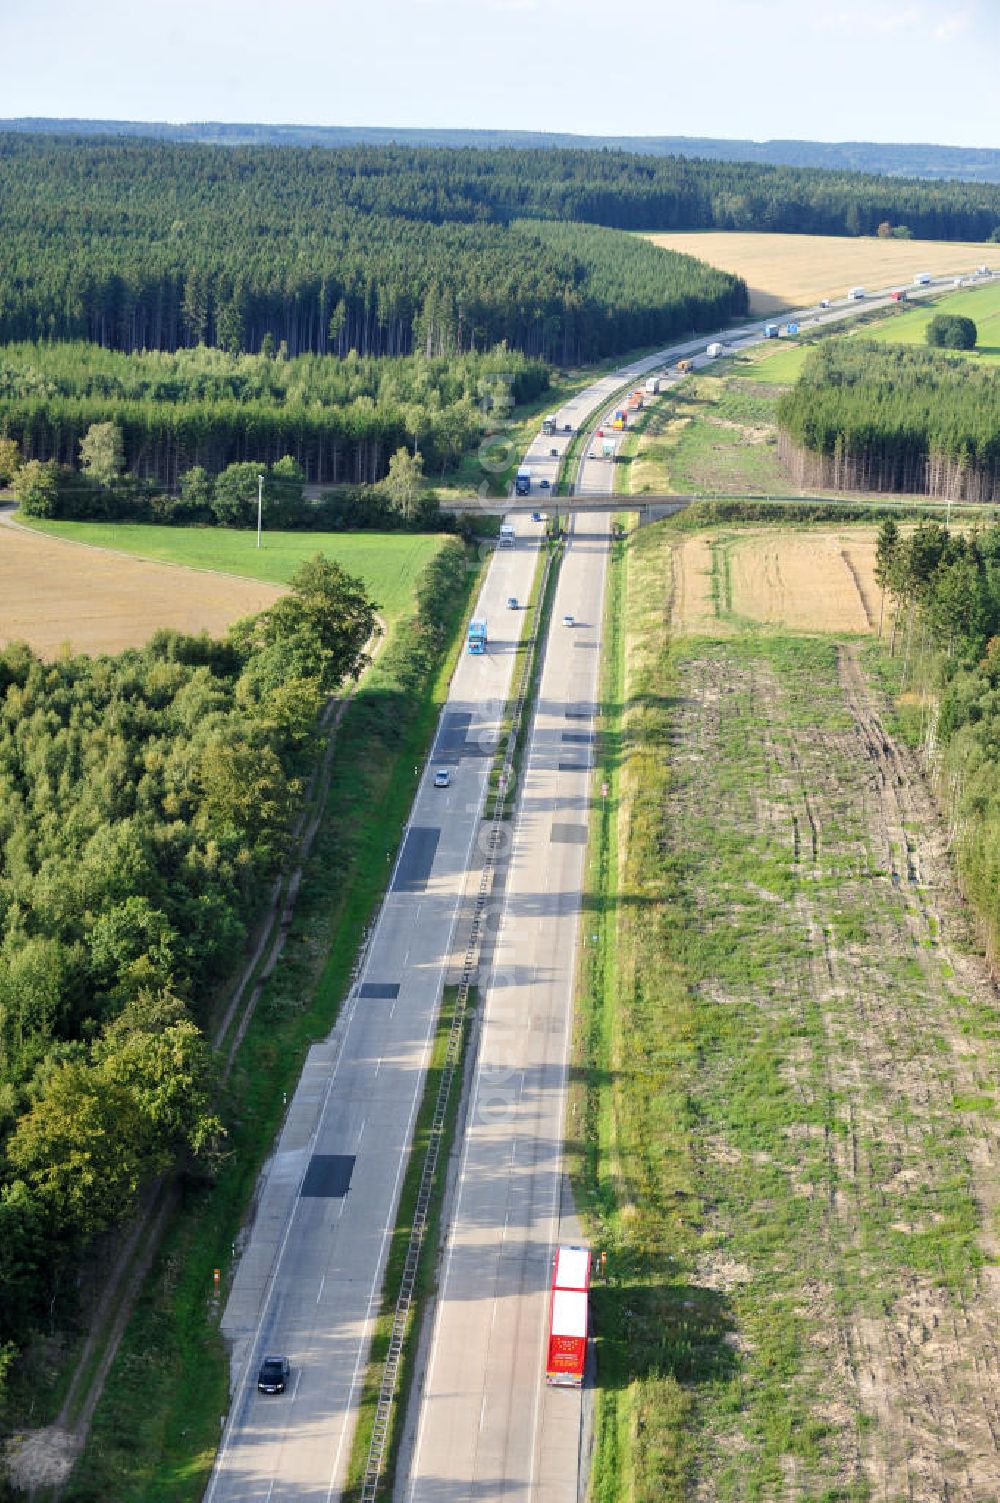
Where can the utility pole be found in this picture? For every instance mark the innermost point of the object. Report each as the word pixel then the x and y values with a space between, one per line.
pixel 260 504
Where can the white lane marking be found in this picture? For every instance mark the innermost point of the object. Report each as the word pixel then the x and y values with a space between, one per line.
pixel 419 1075
pixel 378 1066
pixel 593 674
pixel 319 1295
pixel 517 842
pixel 243 1384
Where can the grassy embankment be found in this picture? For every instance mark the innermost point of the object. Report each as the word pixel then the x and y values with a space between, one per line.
pixel 149 1441
pixel 730 1066
pixel 981 304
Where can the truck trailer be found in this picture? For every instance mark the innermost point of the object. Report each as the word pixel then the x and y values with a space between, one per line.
pixel 652 386
pixel 522 481
pixel 549 424
pixel 477 635
pixel 507 535
pixel 567 1351
pixel 713 351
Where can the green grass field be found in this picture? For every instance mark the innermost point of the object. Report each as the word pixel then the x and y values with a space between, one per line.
pixel 774 1142
pixel 981 304
pixel 388 562
pixel 776 365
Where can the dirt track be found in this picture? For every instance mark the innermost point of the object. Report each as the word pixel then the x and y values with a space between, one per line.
pixel 860 1005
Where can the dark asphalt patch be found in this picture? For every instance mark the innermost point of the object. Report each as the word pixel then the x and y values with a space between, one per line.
pixel 328 1176
pixel 580 738
pixel 379 991
pixel 417 858
pixel 564 834
pixel 574 766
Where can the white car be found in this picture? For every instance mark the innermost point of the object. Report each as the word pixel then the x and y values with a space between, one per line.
pixel 442 778
pixel 569 621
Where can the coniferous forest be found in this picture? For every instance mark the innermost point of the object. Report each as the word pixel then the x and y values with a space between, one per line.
pixel 148 246
pixel 339 420
pixel 881 417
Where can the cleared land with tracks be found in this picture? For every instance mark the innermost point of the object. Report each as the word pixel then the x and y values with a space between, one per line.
pixel 796 1172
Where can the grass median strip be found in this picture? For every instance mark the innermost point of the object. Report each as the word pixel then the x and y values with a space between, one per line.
pixel 505 772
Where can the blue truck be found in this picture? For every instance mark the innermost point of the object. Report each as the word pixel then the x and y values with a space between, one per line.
pixel 477 635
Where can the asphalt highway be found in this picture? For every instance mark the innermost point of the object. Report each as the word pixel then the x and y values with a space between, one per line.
pixel 488 1427
pixel 309 1278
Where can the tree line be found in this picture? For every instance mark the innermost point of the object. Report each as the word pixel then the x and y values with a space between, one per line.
pixel 338 420
pixel 378 252
pixel 881 417
pixel 145 804
pixel 944 592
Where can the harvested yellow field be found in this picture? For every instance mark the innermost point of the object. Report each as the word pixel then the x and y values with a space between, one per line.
pixel 821 581
pixel 54 593
pixel 787 271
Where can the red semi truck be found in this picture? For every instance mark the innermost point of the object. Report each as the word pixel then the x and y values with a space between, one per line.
pixel 567 1354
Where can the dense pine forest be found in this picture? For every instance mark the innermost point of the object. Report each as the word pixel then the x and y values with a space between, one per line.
pixel 150 246
pixel 340 420
pixel 879 417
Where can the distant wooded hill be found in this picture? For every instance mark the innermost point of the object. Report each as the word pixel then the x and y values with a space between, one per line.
pixel 964 163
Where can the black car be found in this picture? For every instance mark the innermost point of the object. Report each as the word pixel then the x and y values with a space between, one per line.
pixel 273 1375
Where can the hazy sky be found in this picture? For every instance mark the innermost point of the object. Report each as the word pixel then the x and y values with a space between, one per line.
pixel 883 70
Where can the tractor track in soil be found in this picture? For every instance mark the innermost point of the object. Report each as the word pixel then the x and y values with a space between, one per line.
pixel 903 1363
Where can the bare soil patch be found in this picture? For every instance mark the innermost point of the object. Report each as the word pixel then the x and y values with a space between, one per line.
pixel 54 593
pixel 784 271
pixel 816 581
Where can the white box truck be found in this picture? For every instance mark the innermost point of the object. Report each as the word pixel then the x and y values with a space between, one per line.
pixel 652 386
pixel 922 279
pixel 714 350
pixel 507 535
pixel 856 295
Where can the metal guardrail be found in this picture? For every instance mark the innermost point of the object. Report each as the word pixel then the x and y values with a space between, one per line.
pixel 404 1301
